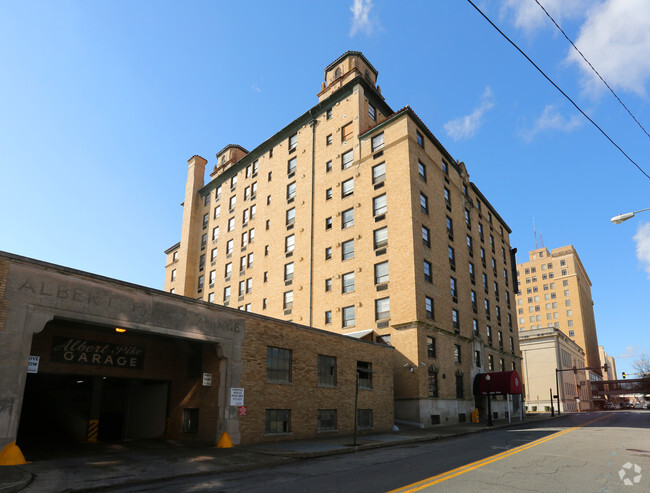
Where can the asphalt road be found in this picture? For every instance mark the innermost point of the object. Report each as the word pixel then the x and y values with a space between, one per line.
pixel 577 453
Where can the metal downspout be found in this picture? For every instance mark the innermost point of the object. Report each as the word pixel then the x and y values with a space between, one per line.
pixel 313 124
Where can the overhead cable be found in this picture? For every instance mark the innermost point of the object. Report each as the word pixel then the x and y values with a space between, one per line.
pixel 558 88
pixel 592 68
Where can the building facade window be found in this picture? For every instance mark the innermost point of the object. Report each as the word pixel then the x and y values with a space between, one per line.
pixel 428 307
pixel 291 166
pixel 364 373
pixel 347 158
pixel 380 238
pixel 424 203
pixel 431 347
pixel 382 309
pixel 348 316
pixel 277 421
pixel 460 388
pixel 327 420
pixel 379 205
pixel 377 142
pixel 426 236
pixel 347 250
pixel 347 285
pixel 293 142
pixel 326 371
pixel 381 272
pixel 347 218
pixel 428 271
pixel 347 188
pixel 433 383
pixel 278 365
pixel 378 173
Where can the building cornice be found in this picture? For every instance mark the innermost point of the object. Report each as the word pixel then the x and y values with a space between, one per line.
pixel 172 248
pixel 352 53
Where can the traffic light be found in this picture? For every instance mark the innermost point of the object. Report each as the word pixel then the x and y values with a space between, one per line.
pixel 575 370
pixel 605 367
pixel 623 374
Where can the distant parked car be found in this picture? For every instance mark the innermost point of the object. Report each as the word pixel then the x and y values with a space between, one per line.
pixel 608 405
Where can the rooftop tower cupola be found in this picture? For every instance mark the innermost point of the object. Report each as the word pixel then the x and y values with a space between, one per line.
pixel 344 69
pixel 226 157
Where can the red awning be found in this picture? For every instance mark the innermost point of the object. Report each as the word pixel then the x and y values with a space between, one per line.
pixel 501 382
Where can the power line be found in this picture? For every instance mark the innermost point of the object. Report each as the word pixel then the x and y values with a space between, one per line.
pixel 558 88
pixel 592 68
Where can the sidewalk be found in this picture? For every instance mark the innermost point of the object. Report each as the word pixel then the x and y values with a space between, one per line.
pixel 95 466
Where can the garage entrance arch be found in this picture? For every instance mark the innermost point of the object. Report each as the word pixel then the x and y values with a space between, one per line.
pixel 68 318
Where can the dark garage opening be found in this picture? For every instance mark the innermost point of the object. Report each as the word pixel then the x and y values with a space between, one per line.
pixel 57 408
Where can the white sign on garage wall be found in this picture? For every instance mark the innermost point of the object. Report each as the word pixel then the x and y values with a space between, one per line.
pixel 32 364
pixel 236 396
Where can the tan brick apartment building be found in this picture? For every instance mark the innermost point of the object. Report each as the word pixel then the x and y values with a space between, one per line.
pixel 355 219
pixel 555 291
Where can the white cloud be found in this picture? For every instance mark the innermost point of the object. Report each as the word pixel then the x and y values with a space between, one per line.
pixel 630 352
pixel 466 126
pixel 615 38
pixel 361 20
pixel 552 119
pixel 642 240
pixel 529 17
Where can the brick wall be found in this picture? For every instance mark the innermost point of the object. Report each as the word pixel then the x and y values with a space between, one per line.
pixel 303 396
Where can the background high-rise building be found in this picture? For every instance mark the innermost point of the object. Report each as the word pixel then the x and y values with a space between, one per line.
pixel 355 219
pixel 555 291
pixel 611 364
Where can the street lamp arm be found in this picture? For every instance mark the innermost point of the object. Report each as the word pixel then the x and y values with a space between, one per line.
pixel 624 217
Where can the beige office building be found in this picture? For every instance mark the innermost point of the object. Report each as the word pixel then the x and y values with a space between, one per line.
pixel 555 291
pixel 611 364
pixel 355 219
pixel 544 350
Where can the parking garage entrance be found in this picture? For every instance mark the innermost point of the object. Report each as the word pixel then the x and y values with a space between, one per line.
pixel 90 383
pixel 61 410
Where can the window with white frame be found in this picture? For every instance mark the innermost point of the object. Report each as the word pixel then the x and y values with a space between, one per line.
pixel 382 309
pixel 381 272
pixel 347 187
pixel 346 159
pixel 289 243
pixel 291 166
pixel 377 142
pixel 348 316
pixel 380 237
pixel 347 218
pixel 378 173
pixel 379 205
pixel 347 250
pixel 347 285
pixel 291 190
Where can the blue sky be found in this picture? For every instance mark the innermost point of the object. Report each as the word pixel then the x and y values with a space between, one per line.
pixel 102 103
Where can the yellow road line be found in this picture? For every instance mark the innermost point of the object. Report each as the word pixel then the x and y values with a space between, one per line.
pixel 488 460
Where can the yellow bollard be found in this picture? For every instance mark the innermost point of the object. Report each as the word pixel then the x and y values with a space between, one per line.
pixel 475 415
pixel 224 441
pixel 11 455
